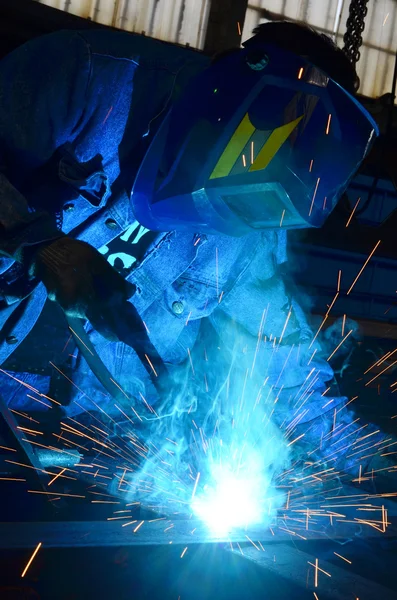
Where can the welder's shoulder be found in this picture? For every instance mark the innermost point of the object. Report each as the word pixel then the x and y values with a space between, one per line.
pixel 58 47
pixel 143 50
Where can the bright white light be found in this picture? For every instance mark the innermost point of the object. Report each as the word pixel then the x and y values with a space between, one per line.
pixel 232 502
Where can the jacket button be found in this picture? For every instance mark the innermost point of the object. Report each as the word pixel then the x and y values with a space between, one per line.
pixel 111 223
pixel 177 307
pixel 11 339
pixel 68 208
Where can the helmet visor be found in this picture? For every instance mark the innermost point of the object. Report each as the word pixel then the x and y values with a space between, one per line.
pixel 246 149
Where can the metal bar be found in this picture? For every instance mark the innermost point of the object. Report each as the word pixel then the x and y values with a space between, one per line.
pixel 24 448
pixel 290 563
pixel 158 532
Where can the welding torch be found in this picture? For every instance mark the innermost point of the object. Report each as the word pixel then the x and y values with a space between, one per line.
pixel 123 324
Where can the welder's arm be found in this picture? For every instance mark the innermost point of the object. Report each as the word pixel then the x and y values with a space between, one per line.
pixel 43 94
pixel 43 88
pixel 282 354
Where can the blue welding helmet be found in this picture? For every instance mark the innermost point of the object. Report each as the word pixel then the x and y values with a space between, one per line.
pixel 260 139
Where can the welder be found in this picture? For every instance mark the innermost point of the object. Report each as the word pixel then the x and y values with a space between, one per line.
pixel 137 173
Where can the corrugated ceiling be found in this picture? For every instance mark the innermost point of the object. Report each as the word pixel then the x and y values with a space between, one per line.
pixel 184 21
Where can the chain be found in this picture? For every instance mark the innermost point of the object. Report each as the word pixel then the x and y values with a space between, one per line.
pixel 354 27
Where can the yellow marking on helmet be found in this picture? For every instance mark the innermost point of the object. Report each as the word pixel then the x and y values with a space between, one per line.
pixel 273 145
pixel 234 148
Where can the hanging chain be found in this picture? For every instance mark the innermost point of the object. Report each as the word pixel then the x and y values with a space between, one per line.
pixel 354 28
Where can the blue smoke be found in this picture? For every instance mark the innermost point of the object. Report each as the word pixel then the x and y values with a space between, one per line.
pixel 213 449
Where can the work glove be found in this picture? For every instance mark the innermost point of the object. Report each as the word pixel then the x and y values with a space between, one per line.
pixel 81 280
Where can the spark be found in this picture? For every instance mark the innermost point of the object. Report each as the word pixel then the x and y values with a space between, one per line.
pixel 295 440
pixel 31 559
pixel 339 277
pixel 11 479
pixel 151 366
pixel 343 558
pixel 25 416
pixel 312 356
pixel 252 153
pixel 328 124
pixel 352 213
pixel 244 160
pixel 259 337
pixel 315 595
pixel 386 17
pixel 39 401
pixel 138 526
pixel 56 477
pixel 343 325
pixel 282 217
pixel 381 372
pixel 253 543
pixel 184 552
pixel 108 115
pixel 216 271
pixel 122 479
pixel 363 267
pixel 317 568
pixel 300 73
pixel 238 27
pixel 339 345
pixel 85 346
pixel 285 325
pixel 332 303
pixel 129 523
pixel 318 331
pixel 195 485
pixel 6 448
pixel 190 359
pixel 33 431
pixel 314 196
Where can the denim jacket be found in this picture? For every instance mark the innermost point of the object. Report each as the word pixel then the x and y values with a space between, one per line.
pixel 77 113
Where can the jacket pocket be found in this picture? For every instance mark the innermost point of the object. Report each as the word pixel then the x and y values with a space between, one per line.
pixel 88 179
pixel 190 299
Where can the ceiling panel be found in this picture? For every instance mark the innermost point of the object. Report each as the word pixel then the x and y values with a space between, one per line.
pixel 376 64
pixel 181 21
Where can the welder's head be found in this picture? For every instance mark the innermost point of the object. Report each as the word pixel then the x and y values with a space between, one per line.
pixel 267 136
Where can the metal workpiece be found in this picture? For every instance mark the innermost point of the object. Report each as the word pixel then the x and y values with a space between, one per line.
pixel 321 577
pixel 163 531
pixel 44 459
pixel 58 458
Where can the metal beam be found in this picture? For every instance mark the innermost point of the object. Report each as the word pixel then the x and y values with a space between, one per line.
pixel 54 534
pixel 290 563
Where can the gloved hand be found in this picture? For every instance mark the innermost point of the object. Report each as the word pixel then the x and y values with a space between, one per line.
pixel 81 280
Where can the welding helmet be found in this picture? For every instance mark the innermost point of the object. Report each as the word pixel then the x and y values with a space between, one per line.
pixel 260 139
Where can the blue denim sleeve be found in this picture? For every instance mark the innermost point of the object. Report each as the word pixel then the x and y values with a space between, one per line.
pixel 267 329
pixel 43 87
